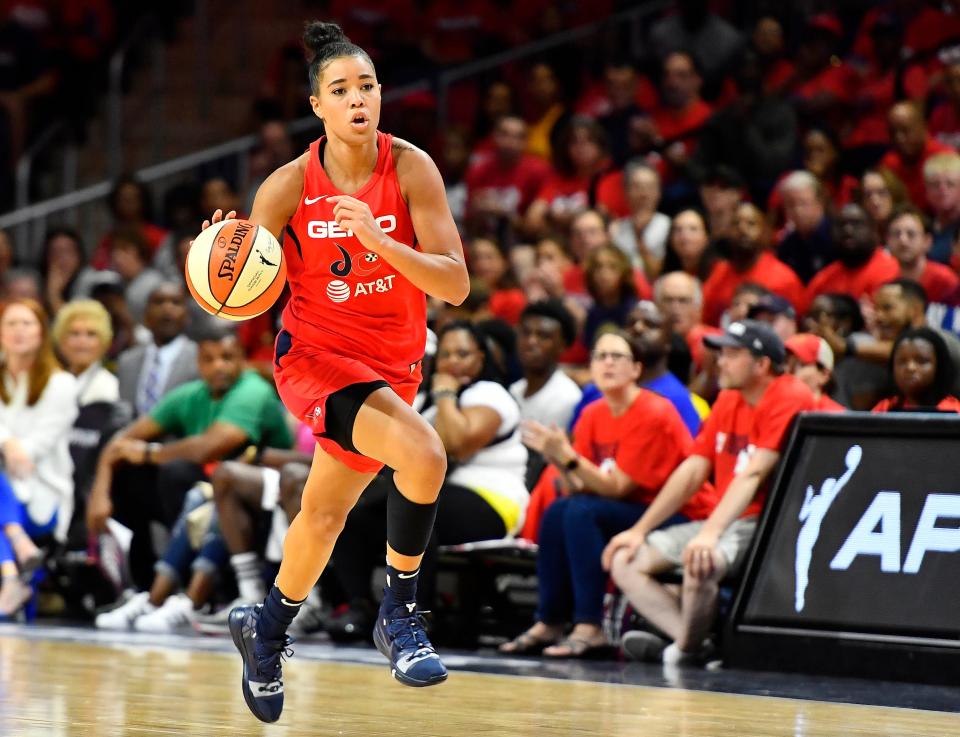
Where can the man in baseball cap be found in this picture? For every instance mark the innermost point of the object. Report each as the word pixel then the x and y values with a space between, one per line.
pixel 810 359
pixel 737 449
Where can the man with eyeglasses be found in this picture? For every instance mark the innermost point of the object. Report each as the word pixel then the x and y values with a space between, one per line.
pixel 737 450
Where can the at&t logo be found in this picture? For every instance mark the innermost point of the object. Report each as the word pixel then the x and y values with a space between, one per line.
pixel 339 291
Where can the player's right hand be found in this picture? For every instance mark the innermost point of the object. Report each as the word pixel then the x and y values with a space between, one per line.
pixel 628 541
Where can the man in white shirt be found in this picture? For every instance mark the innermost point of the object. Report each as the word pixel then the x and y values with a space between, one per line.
pixel 545 393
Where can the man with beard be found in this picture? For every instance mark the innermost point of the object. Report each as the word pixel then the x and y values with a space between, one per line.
pixel 861 266
pixel 750 261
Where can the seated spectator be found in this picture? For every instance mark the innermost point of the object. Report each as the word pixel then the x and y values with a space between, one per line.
pixel 880 194
pixel 694 26
pixel 130 207
pixel 909 241
pixel 37 407
pixel 489 264
pixel 810 359
pixel 148 372
pixel 776 312
pixel 768 43
pixel 501 187
pixel 680 298
pixel 750 261
pixel 944 122
pixel 545 393
pixel 624 447
pixel 820 87
pixel 130 258
pixel 609 280
pixel 626 96
pixel 808 244
pixel 108 290
pixel 821 157
pixel 941 176
pixel 737 449
pixel 212 418
pixel 62 267
pixel 217 193
pixel 861 374
pixel 861 266
pixel 923 372
pixel 689 248
pixel 81 333
pixel 682 112
pixel 722 189
pixel 497 101
pixel 273 149
pixel 579 156
pixel 642 235
pixel 483 496
pixel 547 112
pixel 912 147
pixel 588 233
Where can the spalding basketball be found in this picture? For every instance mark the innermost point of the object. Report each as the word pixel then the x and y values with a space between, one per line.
pixel 235 269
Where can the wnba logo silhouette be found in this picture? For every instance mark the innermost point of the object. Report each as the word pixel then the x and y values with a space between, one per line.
pixel 814 509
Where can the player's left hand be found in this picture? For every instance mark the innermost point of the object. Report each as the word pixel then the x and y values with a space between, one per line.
pixel 698 556
pixel 352 214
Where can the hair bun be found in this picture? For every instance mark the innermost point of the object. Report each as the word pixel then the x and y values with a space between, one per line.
pixel 317 35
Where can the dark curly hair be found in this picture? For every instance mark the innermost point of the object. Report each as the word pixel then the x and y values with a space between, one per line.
pixel 326 42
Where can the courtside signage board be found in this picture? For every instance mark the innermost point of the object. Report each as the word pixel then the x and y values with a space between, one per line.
pixel 859 546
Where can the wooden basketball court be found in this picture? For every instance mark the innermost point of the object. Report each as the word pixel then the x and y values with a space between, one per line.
pixel 68 689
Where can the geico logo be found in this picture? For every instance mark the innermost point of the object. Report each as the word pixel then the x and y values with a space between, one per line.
pixel 332 229
pixel 878 533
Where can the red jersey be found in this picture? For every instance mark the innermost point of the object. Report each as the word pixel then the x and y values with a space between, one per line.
pixel 911 172
pixel 864 280
pixel 947 404
pixel 768 272
pixel 647 442
pixel 343 298
pixel 939 281
pixel 825 404
pixel 514 187
pixel 734 430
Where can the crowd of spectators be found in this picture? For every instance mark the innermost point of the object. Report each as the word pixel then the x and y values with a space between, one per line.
pixel 728 225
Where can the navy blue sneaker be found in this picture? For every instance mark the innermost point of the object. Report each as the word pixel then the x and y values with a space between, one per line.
pixel 401 637
pixel 262 678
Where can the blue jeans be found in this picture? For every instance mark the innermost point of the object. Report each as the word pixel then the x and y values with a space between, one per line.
pixel 12 510
pixel 180 558
pixel 574 531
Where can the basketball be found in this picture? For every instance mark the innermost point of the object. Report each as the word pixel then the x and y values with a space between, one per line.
pixel 235 269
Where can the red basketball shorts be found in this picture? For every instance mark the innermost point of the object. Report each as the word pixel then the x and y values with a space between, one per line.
pixel 326 390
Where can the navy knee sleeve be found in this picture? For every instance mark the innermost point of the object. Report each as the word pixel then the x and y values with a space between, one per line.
pixel 409 525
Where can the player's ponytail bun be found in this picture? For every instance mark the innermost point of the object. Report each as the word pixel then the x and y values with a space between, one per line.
pixel 326 42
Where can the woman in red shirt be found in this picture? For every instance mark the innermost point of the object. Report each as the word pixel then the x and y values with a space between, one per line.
pixel 625 447
pixel 923 371
pixel 489 264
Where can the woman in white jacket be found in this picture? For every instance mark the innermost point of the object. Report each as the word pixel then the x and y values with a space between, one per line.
pixel 38 405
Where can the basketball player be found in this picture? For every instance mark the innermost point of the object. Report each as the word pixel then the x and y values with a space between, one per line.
pixel 366 232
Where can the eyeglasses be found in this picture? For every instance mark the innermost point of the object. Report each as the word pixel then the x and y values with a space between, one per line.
pixel 601 356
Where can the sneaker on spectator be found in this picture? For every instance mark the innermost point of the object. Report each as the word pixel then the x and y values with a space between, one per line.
pixel 643 645
pixel 673 655
pixel 177 612
pixel 123 616
pixel 311 618
pixel 217 623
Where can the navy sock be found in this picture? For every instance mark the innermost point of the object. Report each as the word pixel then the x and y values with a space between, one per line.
pixel 276 615
pixel 401 587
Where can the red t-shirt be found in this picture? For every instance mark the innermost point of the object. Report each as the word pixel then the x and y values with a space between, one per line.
pixel 343 298
pixel 938 281
pixel 734 430
pixel 911 172
pixel 944 124
pixel 866 279
pixel 874 96
pixel 514 187
pixel 947 404
pixel 507 304
pixel 768 272
pixel 826 404
pixel 647 442
pixel 611 196
pixel 673 124
pixel 565 195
